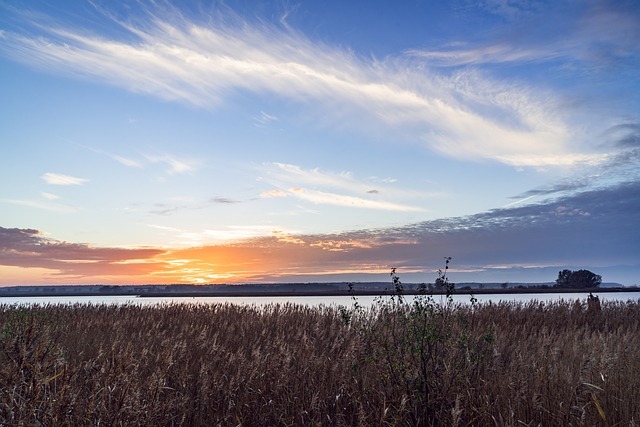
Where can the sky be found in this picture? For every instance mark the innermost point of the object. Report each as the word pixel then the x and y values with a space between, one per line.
pixel 306 141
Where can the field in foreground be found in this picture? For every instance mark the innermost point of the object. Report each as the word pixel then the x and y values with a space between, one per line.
pixel 397 364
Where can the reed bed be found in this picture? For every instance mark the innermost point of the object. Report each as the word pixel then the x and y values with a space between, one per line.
pixel 501 364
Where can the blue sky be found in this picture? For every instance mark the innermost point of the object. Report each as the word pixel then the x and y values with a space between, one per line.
pixel 314 141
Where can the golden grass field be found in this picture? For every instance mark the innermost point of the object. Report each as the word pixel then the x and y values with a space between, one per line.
pixel 504 364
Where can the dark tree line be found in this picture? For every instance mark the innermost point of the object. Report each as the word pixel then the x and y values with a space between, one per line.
pixel 578 279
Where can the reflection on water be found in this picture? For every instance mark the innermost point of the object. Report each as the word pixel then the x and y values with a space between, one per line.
pixel 365 301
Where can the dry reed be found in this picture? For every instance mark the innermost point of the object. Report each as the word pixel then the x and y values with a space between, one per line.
pixel 206 365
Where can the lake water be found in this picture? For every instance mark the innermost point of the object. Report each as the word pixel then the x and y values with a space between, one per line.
pixel 365 301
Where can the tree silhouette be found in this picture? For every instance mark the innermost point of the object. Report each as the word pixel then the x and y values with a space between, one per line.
pixel 579 279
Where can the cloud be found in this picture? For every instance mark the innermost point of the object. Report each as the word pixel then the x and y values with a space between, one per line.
pixel 594 229
pixel 587 227
pixel 595 34
pixel 164 227
pixel 284 237
pixel 233 233
pixel 166 209
pixel 176 166
pixel 29 248
pixel 224 201
pixel 49 196
pixel 285 175
pixel 333 188
pixel 321 198
pixel 566 186
pixel 127 162
pixel 488 54
pixel 186 203
pixel 618 168
pixel 59 179
pixel 264 119
pixel 623 135
pixel 273 193
pixel 387 180
pixel 204 62
pixel 341 245
pixel 51 203
pixel 519 201
pixel 590 229
pixel 38 204
pixel 590 48
pixel 509 8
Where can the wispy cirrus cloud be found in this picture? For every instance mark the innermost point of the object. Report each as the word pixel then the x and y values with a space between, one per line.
pixel 175 165
pixel 49 196
pixel 127 161
pixel 230 233
pixel 289 175
pixel 496 53
pixel 599 33
pixel 324 198
pixel 263 119
pixel 335 188
pixel 42 205
pixel 175 205
pixel 60 179
pixel 616 169
pixel 203 62
pixel 164 228
pixel 273 193
pixel 49 202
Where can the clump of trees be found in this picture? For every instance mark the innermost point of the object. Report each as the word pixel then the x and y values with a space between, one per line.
pixel 579 279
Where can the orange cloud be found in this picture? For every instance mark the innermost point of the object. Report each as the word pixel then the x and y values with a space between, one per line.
pixel 252 260
pixel 273 193
pixel 340 245
pixel 71 262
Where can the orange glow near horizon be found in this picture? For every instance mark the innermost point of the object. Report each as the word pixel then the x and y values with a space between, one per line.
pixel 181 266
pixel 265 259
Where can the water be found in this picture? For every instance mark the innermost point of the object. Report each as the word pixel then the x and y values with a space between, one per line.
pixel 364 301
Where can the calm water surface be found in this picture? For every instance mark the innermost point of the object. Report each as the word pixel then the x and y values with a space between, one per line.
pixel 365 301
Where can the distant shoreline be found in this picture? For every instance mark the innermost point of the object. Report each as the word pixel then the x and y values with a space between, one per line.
pixel 239 292
pixel 333 293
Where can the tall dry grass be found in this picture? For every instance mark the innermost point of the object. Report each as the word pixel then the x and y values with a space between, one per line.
pixel 206 365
